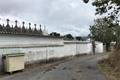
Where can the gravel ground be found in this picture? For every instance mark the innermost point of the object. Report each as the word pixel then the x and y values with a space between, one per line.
pixel 78 68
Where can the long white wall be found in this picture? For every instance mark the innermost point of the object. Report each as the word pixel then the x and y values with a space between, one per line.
pixel 39 53
pixel 7 40
pixel 43 48
pixel 84 48
pixel 47 52
pixel 99 47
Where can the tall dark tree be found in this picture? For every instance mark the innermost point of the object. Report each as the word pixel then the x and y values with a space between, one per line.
pixel 103 30
pixel 110 7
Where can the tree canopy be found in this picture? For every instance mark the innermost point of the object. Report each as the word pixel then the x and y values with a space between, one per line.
pixel 68 37
pixel 110 7
pixel 103 30
pixel 55 34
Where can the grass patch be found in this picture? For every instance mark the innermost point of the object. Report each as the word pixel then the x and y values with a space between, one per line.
pixel 109 71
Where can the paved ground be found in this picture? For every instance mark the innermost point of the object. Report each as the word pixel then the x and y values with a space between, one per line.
pixel 82 68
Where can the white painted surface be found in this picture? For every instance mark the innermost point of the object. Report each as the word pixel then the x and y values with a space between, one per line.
pixel 51 47
pixel 84 48
pixel 23 41
pixel 99 47
pixel 40 53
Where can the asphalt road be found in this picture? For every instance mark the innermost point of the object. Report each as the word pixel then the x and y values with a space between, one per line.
pixel 81 68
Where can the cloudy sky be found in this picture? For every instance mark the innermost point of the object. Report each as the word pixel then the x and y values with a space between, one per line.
pixel 64 16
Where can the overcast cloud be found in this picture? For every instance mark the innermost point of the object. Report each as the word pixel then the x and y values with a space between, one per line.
pixel 64 16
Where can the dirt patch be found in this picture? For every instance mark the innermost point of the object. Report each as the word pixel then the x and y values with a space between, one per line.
pixel 108 71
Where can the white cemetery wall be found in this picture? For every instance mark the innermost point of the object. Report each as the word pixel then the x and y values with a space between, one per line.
pixel 42 53
pixel 84 48
pixel 99 47
pixel 7 40
pixel 34 47
pixel 42 48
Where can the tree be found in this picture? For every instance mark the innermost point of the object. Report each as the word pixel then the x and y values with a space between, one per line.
pixel 55 34
pixel 78 38
pixel 103 30
pixel 110 7
pixel 68 36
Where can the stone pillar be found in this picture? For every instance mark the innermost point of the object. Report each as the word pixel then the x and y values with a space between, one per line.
pixel 40 26
pixel 7 28
pixel 30 30
pixel 29 25
pixel 8 21
pixel 16 30
pixel 35 26
pixel 23 27
pixel 35 30
pixel 16 22
pixel 40 32
pixel 23 23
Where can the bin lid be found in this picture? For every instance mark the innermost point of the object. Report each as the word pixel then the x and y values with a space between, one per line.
pixel 14 54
